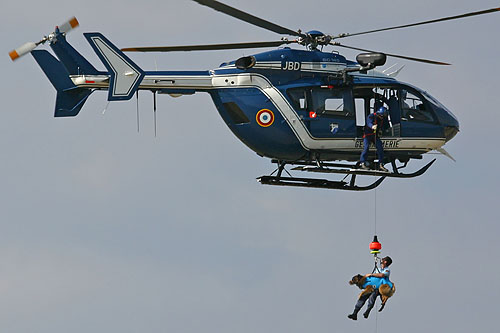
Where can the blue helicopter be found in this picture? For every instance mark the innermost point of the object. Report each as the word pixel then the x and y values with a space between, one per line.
pixel 300 107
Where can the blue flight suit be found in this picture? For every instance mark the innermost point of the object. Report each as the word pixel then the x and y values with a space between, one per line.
pixel 370 137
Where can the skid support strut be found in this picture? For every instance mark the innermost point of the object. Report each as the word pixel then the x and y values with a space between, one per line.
pixel 351 170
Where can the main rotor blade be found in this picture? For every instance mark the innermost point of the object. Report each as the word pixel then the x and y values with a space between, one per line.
pixel 236 13
pixel 433 62
pixel 208 47
pixel 492 10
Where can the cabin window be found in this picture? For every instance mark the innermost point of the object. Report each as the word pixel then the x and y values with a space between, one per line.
pixel 298 97
pixel 323 101
pixel 235 113
pixel 360 111
pixel 329 101
pixel 303 103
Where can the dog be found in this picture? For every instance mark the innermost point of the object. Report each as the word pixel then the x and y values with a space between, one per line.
pixel 367 285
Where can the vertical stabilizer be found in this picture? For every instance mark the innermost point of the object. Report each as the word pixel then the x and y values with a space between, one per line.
pixel 70 98
pixel 71 59
pixel 125 75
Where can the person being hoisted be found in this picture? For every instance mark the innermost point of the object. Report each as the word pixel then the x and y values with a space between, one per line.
pixel 376 280
pixel 372 133
pixel 375 284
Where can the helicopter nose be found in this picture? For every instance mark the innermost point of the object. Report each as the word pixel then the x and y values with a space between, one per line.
pixel 450 132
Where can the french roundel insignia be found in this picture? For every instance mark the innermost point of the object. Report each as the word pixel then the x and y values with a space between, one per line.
pixel 265 117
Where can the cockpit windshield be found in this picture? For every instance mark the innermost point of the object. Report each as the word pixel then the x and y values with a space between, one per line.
pixel 437 103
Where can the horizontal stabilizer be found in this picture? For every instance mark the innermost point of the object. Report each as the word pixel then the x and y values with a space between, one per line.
pixel 125 74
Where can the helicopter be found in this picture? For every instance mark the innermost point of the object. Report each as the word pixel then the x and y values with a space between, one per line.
pixel 299 107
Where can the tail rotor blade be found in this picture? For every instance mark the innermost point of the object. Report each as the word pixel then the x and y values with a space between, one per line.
pixel 30 46
pixel 69 25
pixel 22 50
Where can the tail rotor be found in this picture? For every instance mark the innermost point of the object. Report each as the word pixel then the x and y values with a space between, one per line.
pixel 30 46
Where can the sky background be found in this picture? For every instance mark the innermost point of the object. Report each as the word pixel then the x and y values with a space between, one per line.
pixel 103 229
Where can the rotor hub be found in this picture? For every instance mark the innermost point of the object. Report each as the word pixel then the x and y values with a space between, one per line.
pixel 314 38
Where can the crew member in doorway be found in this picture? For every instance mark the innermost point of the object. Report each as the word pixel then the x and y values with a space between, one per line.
pixel 373 130
pixel 376 280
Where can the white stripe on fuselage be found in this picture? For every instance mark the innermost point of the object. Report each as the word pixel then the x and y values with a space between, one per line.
pixel 303 66
pixel 252 80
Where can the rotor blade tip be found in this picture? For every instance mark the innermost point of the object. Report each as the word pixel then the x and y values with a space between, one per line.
pixel 74 22
pixel 13 55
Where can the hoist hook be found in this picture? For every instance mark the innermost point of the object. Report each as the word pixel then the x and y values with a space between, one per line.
pixel 375 248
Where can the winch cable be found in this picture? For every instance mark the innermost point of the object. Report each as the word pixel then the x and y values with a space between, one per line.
pixel 375 245
pixel 375 231
pixel 375 248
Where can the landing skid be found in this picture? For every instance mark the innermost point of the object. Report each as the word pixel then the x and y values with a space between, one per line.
pixel 351 170
pixel 317 183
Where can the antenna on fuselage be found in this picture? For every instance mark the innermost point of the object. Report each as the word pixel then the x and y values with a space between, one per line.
pixel 137 108
pixel 105 108
pixel 154 109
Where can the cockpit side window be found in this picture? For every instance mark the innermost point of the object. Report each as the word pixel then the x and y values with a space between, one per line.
pixel 413 107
